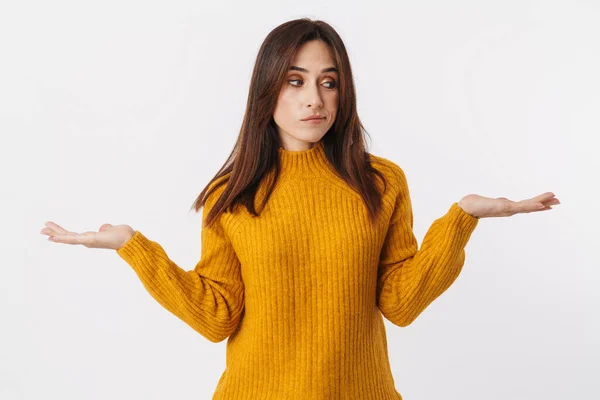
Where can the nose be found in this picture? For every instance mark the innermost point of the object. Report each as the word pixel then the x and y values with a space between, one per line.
pixel 313 98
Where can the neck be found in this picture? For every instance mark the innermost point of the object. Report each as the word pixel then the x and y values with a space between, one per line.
pixel 311 162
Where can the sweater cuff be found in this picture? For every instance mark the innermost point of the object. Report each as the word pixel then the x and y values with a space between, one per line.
pixel 464 222
pixel 134 248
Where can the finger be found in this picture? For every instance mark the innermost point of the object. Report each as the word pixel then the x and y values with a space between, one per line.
pixel 543 197
pixel 57 238
pixel 67 239
pixel 527 206
pixel 48 231
pixel 56 227
pixel 545 207
pixel 105 227
pixel 552 201
pixel 51 232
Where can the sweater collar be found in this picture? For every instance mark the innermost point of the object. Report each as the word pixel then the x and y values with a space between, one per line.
pixel 311 162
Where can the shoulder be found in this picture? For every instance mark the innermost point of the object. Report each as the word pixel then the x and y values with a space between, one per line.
pixel 391 170
pixel 219 184
pixel 215 190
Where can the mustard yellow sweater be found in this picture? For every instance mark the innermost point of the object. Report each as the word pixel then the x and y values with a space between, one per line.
pixel 301 290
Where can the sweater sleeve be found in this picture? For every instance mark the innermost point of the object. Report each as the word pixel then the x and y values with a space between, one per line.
pixel 409 279
pixel 209 298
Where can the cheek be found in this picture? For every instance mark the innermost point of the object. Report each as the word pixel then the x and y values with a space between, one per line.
pixel 332 97
pixel 287 98
pixel 333 103
pixel 286 101
pixel 285 106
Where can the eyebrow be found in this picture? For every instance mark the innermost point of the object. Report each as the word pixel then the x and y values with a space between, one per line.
pixel 330 69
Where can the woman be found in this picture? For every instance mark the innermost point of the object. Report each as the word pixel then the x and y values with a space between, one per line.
pixel 300 283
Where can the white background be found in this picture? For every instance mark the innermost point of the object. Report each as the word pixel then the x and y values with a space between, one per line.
pixel 121 111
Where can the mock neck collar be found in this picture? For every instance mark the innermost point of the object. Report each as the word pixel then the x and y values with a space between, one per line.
pixel 311 162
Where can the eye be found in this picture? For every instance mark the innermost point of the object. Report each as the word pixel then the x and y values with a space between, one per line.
pixel 333 83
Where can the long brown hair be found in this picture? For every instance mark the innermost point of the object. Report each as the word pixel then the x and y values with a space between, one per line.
pixel 255 154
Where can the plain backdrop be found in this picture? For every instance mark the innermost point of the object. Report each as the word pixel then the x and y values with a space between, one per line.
pixel 121 111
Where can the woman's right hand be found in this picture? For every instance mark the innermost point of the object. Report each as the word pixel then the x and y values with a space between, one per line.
pixel 108 236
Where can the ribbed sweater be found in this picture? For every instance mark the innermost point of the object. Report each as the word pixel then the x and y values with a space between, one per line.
pixel 301 290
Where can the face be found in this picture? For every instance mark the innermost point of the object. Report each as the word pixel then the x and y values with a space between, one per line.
pixel 310 88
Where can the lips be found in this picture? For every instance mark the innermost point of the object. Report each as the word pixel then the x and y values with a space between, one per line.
pixel 311 118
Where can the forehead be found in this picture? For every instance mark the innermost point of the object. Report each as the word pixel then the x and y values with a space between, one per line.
pixel 314 53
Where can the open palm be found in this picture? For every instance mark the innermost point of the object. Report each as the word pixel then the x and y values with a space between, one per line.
pixel 108 236
pixel 488 207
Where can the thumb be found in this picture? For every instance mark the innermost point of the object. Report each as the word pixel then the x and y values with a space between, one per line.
pixel 105 227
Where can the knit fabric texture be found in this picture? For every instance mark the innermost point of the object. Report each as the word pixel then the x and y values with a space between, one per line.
pixel 300 292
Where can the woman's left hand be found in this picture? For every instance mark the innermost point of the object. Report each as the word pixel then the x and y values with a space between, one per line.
pixel 484 207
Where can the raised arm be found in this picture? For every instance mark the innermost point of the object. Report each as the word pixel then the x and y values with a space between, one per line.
pixel 409 279
pixel 209 298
